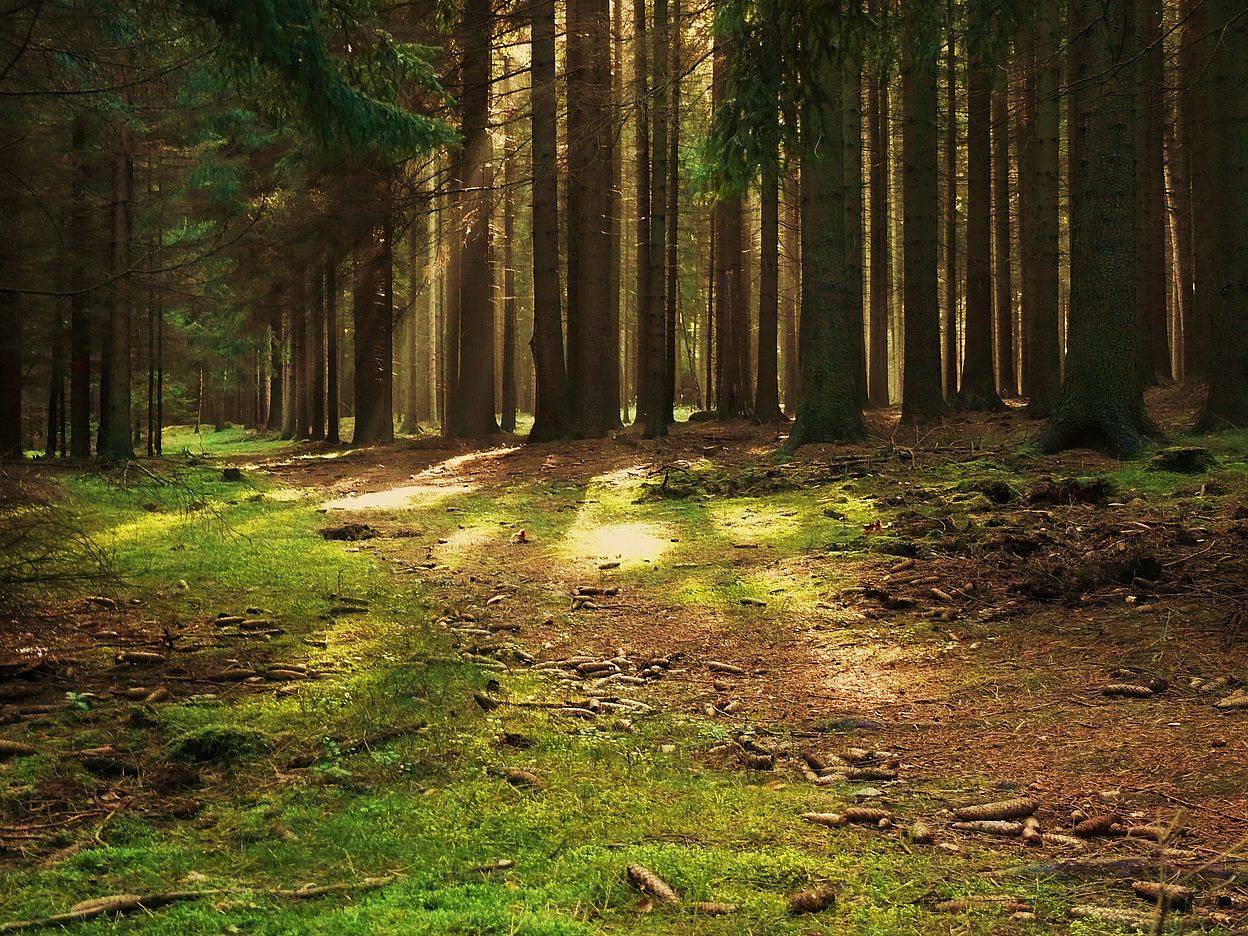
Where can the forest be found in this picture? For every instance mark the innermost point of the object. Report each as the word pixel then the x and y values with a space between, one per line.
pixel 559 467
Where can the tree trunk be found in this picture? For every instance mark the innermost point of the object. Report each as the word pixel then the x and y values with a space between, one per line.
pixel 1179 209
pixel 615 216
pixel 830 404
pixel 452 310
pixel 290 365
pixel 1197 109
pixel 653 353
pixel 949 357
pixel 643 368
pixel 1041 313
pixel 374 340
pixel 674 72
pixel 978 388
pixel 712 274
pixel 302 376
pixel 475 381
pixel 1101 403
pixel 276 383
pixel 1151 196
pixel 877 106
pixel 1003 281
pixel 509 294
pixel 118 441
pixel 79 301
pixel 331 352
pixel 790 237
pixel 551 416
pixel 591 349
pixel 1227 405
pixel 316 356
pixel 854 260
pixel 422 410
pixel 10 324
pixel 767 390
pixel 922 396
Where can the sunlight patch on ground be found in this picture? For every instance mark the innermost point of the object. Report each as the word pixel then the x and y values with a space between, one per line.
pixel 408 495
pixel 459 542
pixel 435 484
pixel 626 543
pixel 745 524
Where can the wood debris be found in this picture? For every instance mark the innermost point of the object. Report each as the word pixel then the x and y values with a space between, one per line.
pixel 1127 919
pixel 523 778
pixel 16 749
pixel 1173 896
pixel 920 833
pixel 141 657
pixel 1127 691
pixel 650 883
pixel 1094 826
pixel 1017 808
pixel 814 900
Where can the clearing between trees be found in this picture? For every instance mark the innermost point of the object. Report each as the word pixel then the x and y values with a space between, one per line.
pixel 680 685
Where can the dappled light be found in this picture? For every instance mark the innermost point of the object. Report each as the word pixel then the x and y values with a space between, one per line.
pixel 591 468
pixel 397 498
pixel 625 543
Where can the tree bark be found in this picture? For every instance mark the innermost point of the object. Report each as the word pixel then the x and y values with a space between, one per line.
pixel 316 356
pixel 1197 109
pixel 276 383
pixel 331 352
pixel 877 107
pixel 551 417
pixel 1041 311
pixel 1227 404
pixel 591 350
pixel 373 312
pixel 830 403
pixel 674 72
pixel 509 295
pixel 1003 279
pixel 949 333
pixel 79 301
pixel 1151 196
pixel 475 383
pixel 922 396
pixel 118 441
pixel 767 390
pixel 791 240
pixel 302 376
pixel 654 340
pixel 1101 403
pixel 978 388
pixel 851 76
pixel 643 370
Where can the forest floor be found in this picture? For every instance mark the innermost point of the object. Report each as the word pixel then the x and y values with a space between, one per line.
pixel 465 688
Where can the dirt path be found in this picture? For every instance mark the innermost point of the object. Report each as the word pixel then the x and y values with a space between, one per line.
pixel 981 664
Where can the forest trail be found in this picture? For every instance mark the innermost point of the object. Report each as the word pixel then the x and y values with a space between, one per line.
pixel 981 661
pixel 408 664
